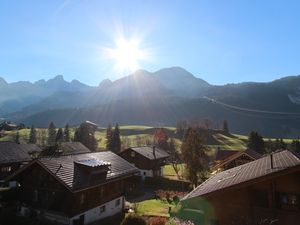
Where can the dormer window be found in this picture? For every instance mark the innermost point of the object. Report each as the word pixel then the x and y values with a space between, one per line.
pixel 132 154
pixel 90 171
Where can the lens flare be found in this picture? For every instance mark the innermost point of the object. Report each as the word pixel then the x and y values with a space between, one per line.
pixel 126 54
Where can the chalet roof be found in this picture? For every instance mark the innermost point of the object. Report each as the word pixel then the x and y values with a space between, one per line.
pixel 11 152
pixel 73 148
pixel 247 172
pixel 66 148
pixel 31 148
pixel 63 167
pixel 223 154
pixel 147 152
pixel 236 154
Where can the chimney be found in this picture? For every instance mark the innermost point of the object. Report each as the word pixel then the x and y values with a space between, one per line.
pixel 154 152
pixel 272 163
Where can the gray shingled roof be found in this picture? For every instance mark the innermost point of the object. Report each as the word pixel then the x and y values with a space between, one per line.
pixel 247 172
pixel 147 152
pixel 11 152
pixel 63 167
pixel 31 148
pixel 73 148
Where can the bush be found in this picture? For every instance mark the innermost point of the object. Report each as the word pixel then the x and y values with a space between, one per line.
pixel 157 221
pixel 175 221
pixel 133 219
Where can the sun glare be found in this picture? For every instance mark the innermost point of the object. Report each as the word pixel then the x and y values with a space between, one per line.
pixel 127 54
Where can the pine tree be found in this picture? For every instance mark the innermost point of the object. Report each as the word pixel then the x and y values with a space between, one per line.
pixel 116 140
pixel 256 142
pixel 59 136
pixel 67 133
pixel 225 127
pixel 194 156
pixel 51 134
pixel 109 135
pixel 85 134
pixel 32 135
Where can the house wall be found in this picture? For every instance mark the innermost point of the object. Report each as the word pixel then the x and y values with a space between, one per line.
pixel 92 215
pixel 141 162
pixel 246 204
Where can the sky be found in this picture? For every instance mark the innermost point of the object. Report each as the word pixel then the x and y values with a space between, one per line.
pixel 218 41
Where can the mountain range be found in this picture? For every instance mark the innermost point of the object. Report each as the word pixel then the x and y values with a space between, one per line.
pixel 159 98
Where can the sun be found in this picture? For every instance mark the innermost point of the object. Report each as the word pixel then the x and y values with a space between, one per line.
pixel 127 54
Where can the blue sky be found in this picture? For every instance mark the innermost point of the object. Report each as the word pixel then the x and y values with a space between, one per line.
pixel 219 41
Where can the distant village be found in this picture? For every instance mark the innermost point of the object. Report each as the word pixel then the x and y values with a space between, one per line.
pixel 68 180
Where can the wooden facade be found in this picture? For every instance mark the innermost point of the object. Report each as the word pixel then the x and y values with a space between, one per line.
pixel 47 193
pixel 145 164
pixel 274 197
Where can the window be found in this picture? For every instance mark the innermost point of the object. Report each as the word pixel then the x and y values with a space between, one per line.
pixel 132 154
pixel 6 169
pixel 288 201
pixel 102 209
pixel 118 202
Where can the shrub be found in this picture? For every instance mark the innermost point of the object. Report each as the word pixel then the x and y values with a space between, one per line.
pixel 157 221
pixel 133 219
pixel 175 221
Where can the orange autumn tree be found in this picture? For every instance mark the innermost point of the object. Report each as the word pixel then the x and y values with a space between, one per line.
pixel 161 138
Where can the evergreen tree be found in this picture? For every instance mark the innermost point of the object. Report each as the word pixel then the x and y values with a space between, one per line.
pixel 194 156
pixel 32 135
pixel 225 127
pixel 116 140
pixel 256 142
pixel 17 138
pixel 85 134
pixel 51 134
pixel 295 146
pixel 59 136
pixel 67 133
pixel 109 135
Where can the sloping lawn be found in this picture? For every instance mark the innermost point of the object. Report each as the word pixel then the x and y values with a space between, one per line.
pixel 153 207
pixel 169 171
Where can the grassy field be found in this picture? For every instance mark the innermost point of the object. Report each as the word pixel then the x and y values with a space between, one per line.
pixel 136 135
pixel 169 172
pixel 153 207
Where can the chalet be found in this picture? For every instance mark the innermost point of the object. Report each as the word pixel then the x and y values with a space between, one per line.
pixel 227 159
pixel 267 189
pixel 8 126
pixel 149 160
pixel 74 189
pixel 13 156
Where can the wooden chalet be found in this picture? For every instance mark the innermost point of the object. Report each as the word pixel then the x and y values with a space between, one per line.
pixel 13 156
pixel 267 189
pixel 74 189
pixel 149 160
pixel 227 159
pixel 8 126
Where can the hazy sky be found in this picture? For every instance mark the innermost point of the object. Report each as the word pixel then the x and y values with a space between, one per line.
pixel 219 41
